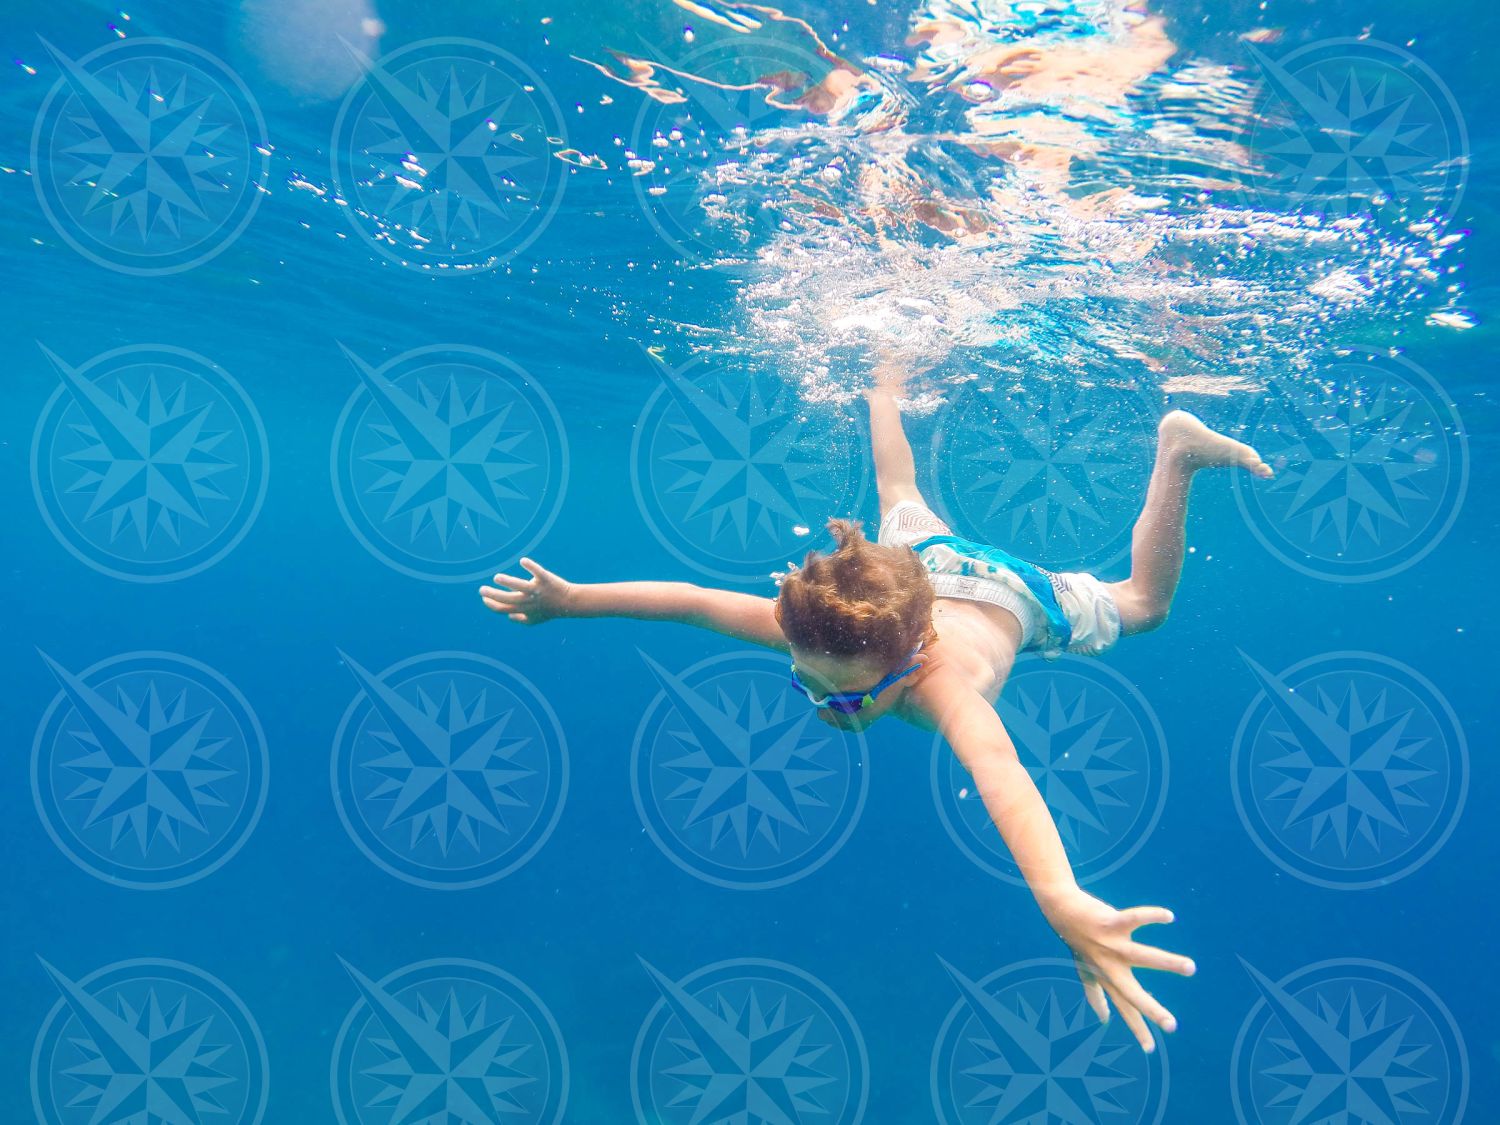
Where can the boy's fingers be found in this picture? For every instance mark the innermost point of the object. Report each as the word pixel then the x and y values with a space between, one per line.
pixel 1093 991
pixel 490 594
pixel 1134 1021
pixel 1146 916
pixel 1142 1001
pixel 512 581
pixel 518 618
pixel 532 568
pixel 1097 1001
pixel 1149 957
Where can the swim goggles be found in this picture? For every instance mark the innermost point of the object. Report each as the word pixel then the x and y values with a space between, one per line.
pixel 849 702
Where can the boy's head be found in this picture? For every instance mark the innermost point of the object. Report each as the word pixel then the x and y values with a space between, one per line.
pixel 854 616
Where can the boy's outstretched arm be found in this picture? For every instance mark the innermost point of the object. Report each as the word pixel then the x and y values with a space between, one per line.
pixel 1098 934
pixel 543 596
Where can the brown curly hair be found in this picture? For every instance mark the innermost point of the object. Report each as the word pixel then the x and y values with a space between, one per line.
pixel 861 599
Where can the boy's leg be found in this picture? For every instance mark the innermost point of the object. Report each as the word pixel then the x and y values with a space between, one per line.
pixel 1183 446
pixel 895 469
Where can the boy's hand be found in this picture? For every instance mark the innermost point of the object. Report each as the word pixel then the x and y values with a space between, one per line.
pixel 529 601
pixel 1107 955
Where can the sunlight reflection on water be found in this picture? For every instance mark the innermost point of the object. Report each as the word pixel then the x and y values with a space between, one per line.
pixel 1040 189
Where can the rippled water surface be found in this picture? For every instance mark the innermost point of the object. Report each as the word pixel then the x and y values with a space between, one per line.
pixel 1049 191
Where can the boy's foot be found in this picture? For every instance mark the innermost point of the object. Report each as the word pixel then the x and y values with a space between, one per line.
pixel 1202 448
pixel 889 377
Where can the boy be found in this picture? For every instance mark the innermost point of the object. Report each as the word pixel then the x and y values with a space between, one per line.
pixel 926 625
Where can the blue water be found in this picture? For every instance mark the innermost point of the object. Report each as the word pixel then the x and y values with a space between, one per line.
pixel 847 921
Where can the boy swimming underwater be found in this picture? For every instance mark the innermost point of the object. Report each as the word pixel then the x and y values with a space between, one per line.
pixel 926 626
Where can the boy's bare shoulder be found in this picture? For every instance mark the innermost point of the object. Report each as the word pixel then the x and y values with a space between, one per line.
pixel 941 689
